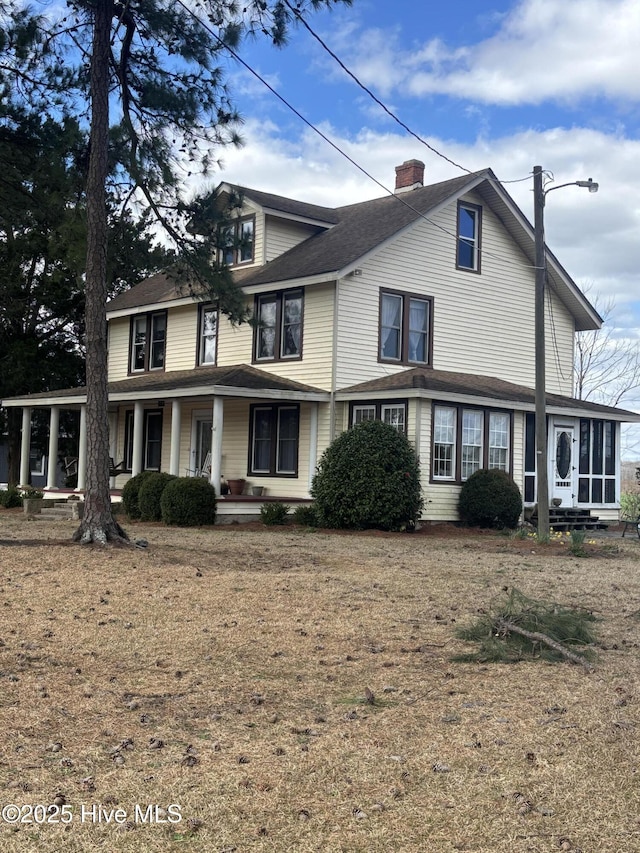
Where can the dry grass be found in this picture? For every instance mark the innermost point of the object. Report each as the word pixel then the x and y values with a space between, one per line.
pixel 249 654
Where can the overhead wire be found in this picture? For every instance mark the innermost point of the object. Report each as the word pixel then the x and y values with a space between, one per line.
pixel 336 147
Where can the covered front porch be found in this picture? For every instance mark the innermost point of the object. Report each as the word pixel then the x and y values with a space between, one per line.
pixel 236 423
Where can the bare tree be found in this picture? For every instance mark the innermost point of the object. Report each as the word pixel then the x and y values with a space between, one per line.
pixel 607 368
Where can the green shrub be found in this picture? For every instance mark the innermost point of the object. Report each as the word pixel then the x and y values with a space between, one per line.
pixel 305 515
pixel 369 477
pixel 149 495
pixel 274 513
pixel 130 493
pixel 629 506
pixel 32 493
pixel 188 502
pixel 490 498
pixel 10 498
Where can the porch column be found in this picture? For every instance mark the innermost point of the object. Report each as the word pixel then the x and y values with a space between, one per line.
pixel 176 421
pixel 25 447
pixel 313 442
pixel 216 442
pixel 136 462
pixel 82 450
pixel 52 461
pixel 113 443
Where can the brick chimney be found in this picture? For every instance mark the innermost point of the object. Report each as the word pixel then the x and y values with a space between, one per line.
pixel 409 176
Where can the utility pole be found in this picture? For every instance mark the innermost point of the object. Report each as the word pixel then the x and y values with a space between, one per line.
pixel 542 477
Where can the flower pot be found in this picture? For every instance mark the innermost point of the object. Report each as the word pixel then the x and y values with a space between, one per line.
pixel 257 491
pixel 236 487
pixel 556 502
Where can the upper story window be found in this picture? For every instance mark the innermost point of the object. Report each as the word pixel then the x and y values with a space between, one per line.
pixel 405 328
pixel 148 342
pixel 278 333
pixel 237 242
pixel 207 334
pixel 469 230
pixel 465 440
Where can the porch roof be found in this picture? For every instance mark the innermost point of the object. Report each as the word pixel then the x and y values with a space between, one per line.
pixel 240 380
pixel 470 387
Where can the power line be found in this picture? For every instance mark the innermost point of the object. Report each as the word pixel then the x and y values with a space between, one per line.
pixel 336 147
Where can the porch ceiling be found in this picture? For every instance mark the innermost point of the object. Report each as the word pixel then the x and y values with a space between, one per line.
pixel 234 381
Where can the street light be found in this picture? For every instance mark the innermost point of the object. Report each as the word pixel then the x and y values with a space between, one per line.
pixel 539 195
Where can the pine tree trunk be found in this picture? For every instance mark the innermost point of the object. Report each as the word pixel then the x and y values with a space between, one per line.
pixel 98 524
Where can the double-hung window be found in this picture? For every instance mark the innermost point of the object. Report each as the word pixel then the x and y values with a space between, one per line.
pixel 236 242
pixel 468 242
pixel 151 440
pixel 278 333
pixel 207 334
pixel 467 439
pixel 392 413
pixel 274 440
pixel 405 328
pixel 148 342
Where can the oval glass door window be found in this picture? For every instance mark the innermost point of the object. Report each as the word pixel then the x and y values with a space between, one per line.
pixel 563 455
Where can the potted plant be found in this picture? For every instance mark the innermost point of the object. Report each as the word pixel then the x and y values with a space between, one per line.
pixel 236 487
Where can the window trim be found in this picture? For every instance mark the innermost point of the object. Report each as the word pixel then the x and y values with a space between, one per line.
pixel 379 406
pixel 406 297
pixel 274 409
pixel 148 344
pixel 202 308
pixel 128 438
pixel 279 296
pixel 477 241
pixel 459 409
pixel 235 227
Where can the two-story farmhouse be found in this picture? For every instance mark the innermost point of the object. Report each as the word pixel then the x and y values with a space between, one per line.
pixel 416 308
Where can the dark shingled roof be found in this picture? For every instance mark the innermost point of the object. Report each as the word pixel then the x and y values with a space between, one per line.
pixel 236 376
pixel 356 229
pixel 470 384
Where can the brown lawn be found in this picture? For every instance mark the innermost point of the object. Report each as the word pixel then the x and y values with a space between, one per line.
pixel 226 671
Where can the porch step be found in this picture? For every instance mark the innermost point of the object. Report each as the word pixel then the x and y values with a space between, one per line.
pixel 61 510
pixel 563 519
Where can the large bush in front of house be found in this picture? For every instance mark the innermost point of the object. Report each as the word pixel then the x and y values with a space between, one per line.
pixel 130 492
pixel 10 498
pixel 149 495
pixel 369 477
pixel 188 502
pixel 490 498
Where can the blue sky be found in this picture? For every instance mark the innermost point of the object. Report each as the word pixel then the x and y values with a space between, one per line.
pixel 502 83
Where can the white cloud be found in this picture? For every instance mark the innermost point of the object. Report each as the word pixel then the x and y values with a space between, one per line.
pixel 543 49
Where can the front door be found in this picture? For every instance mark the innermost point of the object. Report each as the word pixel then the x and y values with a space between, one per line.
pixel 200 442
pixel 562 463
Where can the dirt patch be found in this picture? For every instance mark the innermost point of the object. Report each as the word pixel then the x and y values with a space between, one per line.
pixel 294 690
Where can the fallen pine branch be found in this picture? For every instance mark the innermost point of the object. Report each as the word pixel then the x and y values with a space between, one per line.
pixel 505 625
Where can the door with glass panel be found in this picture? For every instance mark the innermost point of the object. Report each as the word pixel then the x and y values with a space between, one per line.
pixel 200 444
pixel 562 464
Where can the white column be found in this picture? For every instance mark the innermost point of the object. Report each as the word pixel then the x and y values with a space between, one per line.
pixel 138 417
pixel 313 442
pixel 52 461
pixel 25 447
pixel 176 423
pixel 113 444
pixel 216 442
pixel 82 450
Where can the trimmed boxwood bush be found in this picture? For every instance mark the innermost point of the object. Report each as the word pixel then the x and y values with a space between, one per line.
pixel 490 498
pixel 130 492
pixel 188 502
pixel 305 515
pixel 10 498
pixel 369 477
pixel 149 495
pixel 274 513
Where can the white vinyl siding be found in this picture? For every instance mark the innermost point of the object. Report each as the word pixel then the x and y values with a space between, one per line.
pixel 466 308
pixel 282 235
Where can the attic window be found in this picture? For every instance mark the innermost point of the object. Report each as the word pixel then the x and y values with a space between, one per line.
pixel 237 242
pixel 469 230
